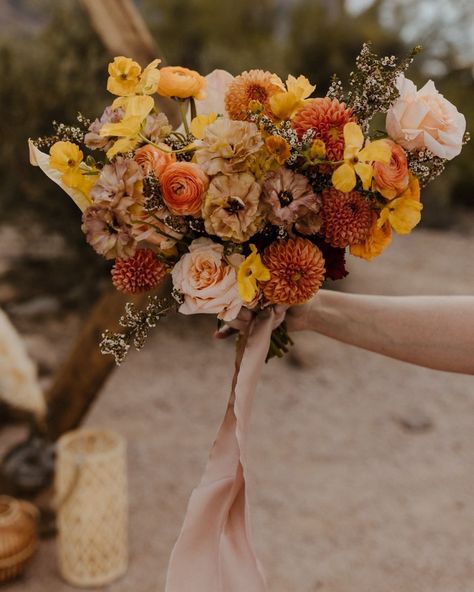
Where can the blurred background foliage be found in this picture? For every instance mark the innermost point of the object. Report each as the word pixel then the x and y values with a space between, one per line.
pixel 53 65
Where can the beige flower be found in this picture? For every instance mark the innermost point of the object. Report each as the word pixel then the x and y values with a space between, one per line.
pixel 425 119
pixel 232 207
pixel 227 145
pixel 207 281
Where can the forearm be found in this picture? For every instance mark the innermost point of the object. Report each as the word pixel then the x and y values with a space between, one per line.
pixel 432 331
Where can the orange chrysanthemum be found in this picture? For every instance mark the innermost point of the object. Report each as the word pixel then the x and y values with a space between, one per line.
pixel 254 85
pixel 296 271
pixel 347 217
pixel 140 273
pixel 328 118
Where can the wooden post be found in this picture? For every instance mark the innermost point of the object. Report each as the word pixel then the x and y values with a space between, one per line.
pixel 123 31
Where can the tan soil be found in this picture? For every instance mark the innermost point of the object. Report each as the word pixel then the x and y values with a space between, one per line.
pixel 361 468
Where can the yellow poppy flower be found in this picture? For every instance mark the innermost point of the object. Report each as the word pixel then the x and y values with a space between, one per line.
pixel 358 159
pixel 199 124
pixel 285 104
pixel 251 271
pixel 377 240
pixel 66 157
pixel 404 212
pixel 127 79
pixel 128 129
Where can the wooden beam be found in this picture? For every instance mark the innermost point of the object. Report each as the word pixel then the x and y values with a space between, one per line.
pixel 123 31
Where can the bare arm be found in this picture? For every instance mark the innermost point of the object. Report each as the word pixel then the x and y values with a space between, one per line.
pixel 432 331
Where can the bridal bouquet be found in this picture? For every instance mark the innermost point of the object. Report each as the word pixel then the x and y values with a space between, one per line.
pixel 253 201
pixel 259 194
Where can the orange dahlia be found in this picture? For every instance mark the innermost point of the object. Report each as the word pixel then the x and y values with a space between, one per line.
pixel 296 271
pixel 140 273
pixel 327 117
pixel 347 217
pixel 254 85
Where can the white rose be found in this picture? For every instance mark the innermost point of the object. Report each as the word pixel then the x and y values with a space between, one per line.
pixel 207 281
pixel 425 119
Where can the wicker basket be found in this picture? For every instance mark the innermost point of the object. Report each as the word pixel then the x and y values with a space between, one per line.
pixel 18 536
pixel 91 490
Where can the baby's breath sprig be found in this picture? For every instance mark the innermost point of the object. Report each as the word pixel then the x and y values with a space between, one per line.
pixel 63 133
pixel 372 86
pixel 425 165
pixel 137 324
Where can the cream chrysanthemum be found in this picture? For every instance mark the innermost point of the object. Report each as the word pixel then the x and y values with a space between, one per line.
pixel 347 217
pixel 254 85
pixel 296 271
pixel 226 146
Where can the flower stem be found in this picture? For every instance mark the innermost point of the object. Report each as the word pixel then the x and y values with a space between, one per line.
pixel 182 112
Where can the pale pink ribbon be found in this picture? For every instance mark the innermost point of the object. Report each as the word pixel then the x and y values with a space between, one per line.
pixel 214 551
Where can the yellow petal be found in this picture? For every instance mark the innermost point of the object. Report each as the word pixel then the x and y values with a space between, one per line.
pixel 40 159
pixel 405 214
pixel 300 87
pixel 129 126
pixel 378 151
pixel 200 122
pixel 353 135
pixel 365 172
pixel 284 104
pixel 122 145
pixel 150 78
pixel 344 178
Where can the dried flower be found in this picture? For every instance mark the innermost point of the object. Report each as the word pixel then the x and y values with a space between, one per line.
pixel 288 197
pixel 347 217
pixel 297 271
pixel 232 207
pixel 227 145
pixel 93 139
pixel 139 273
pixel 108 231
pixel 278 148
pixel 121 179
pixel 254 85
pixel 327 117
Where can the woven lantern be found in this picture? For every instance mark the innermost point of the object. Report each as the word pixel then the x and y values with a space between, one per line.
pixel 91 490
pixel 18 536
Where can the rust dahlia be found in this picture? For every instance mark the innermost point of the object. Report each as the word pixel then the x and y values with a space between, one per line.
pixel 347 217
pixel 328 118
pixel 297 271
pixel 254 85
pixel 140 273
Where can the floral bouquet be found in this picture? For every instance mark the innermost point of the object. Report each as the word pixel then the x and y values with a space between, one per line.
pixel 253 201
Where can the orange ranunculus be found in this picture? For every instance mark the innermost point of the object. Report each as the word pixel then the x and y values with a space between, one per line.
pixel 153 160
pixel 377 240
pixel 183 185
pixel 392 178
pixel 176 81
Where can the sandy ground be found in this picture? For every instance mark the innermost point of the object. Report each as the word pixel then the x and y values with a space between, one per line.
pixel 361 468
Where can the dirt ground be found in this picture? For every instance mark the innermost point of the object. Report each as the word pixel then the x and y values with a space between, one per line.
pixel 361 468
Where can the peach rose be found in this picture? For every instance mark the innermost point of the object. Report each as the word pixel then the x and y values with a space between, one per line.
pixel 183 185
pixel 425 119
pixel 153 160
pixel 207 281
pixel 392 178
pixel 176 81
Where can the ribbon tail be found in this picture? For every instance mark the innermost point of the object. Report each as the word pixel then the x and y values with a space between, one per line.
pixel 214 551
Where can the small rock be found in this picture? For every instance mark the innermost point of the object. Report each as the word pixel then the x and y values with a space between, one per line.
pixel 414 422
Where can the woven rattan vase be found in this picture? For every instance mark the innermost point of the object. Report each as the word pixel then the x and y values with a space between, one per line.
pixel 91 495
pixel 18 536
